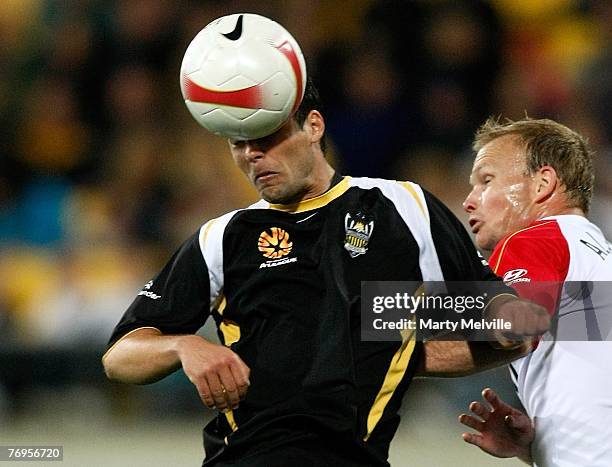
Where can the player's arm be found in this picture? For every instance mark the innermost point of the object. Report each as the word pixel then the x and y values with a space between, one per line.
pixel 156 335
pixel 142 356
pixel 503 431
pixel 459 357
pixel 145 356
pixel 527 320
pixel 451 358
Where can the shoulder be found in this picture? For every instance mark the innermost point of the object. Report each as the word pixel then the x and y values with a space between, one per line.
pixel 367 183
pixel 540 234
pixel 404 193
pixel 212 231
pixel 541 245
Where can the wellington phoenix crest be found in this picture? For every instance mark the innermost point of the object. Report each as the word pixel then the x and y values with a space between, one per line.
pixel 358 231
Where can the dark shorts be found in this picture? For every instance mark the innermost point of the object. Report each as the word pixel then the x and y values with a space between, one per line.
pixel 302 453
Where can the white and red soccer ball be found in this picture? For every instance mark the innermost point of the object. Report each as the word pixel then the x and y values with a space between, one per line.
pixel 243 76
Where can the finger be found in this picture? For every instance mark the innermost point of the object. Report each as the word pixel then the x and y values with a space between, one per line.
pixel 240 374
pixel 522 325
pixel 471 422
pixel 479 409
pixel 496 403
pixel 541 321
pixel 208 400
pixel 544 323
pixel 472 438
pixel 491 397
pixel 519 422
pixel 217 391
pixel 242 390
pixel 230 388
pixel 205 394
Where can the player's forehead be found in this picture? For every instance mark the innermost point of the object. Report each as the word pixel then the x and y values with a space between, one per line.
pixel 504 153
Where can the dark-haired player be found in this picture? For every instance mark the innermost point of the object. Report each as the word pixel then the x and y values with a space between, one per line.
pixel 294 383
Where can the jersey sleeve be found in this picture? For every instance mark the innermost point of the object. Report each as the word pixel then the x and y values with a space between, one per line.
pixel 176 301
pixel 535 262
pixel 459 259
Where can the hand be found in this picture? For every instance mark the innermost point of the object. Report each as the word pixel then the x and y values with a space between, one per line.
pixel 218 373
pixel 503 430
pixel 528 320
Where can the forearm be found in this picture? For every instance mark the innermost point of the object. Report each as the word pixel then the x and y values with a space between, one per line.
pixel 461 358
pixel 143 356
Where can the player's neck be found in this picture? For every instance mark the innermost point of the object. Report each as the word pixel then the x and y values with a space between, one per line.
pixel 557 204
pixel 323 179
pixel 560 211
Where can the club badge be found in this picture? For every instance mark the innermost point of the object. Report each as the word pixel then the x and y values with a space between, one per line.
pixel 358 232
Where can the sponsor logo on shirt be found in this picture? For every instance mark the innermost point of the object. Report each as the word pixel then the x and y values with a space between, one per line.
pixel 358 230
pixel 277 262
pixel 145 292
pixel 274 244
pixel 515 275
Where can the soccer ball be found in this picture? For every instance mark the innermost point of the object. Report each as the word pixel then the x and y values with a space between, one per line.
pixel 243 76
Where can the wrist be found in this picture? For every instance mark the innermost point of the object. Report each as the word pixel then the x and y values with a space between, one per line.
pixel 491 312
pixel 181 343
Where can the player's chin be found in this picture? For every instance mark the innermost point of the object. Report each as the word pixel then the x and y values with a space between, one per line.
pixel 484 241
pixel 278 194
pixel 272 194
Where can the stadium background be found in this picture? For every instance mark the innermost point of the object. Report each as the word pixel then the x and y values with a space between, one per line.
pixel 103 173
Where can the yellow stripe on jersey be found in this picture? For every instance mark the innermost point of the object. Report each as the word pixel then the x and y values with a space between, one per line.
pixel 503 248
pixel 207 227
pixel 220 304
pixel 229 415
pixel 230 331
pixel 415 195
pixel 395 373
pixel 316 202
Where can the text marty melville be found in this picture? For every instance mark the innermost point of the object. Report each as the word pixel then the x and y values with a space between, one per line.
pixel 445 325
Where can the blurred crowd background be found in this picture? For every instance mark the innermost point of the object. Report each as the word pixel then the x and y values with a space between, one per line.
pixel 103 172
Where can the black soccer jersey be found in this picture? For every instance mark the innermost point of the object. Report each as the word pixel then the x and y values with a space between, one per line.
pixel 283 285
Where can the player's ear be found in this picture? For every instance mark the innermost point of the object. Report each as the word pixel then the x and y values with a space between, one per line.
pixel 546 182
pixel 316 125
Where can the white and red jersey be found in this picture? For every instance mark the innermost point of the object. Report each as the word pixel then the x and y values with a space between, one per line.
pixel 565 263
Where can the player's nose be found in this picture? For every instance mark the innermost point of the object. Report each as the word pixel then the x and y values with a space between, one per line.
pixel 469 204
pixel 253 151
